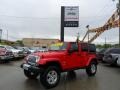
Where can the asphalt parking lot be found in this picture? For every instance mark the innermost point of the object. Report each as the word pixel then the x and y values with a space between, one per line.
pixel 107 78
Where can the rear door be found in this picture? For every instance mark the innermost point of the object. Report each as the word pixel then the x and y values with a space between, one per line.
pixel 84 54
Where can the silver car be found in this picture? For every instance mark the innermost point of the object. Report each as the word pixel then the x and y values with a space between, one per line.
pixel 111 56
pixel 118 61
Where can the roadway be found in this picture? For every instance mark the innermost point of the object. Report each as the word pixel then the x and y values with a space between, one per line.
pixel 107 78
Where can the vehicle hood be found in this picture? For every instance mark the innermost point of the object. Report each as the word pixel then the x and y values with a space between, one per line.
pixel 32 51
pixel 50 54
pixel 112 54
pixel 15 50
pixel 115 55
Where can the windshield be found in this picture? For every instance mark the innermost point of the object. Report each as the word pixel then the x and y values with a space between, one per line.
pixel 58 46
pixel 2 47
pixel 9 47
pixel 34 48
pixel 102 51
pixel 25 48
pixel 20 48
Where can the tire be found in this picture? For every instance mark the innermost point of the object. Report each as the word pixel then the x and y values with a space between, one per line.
pixel 91 69
pixel 30 75
pixel 117 62
pixel 50 77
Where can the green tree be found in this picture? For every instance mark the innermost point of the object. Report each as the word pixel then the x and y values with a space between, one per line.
pixel 19 42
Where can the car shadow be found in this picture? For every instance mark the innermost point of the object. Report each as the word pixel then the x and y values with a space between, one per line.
pixel 71 75
pixel 33 84
pixel 110 66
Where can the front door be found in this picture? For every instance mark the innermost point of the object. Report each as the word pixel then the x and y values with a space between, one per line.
pixel 73 56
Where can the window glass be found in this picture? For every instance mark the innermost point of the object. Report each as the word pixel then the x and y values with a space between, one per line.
pixel 2 47
pixel 74 46
pixel 92 48
pixel 58 46
pixel 84 47
pixel 116 51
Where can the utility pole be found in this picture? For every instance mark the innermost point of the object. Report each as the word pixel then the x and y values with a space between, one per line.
pixel 7 35
pixel 0 35
pixel 88 32
pixel 78 36
pixel 118 8
pixel 105 43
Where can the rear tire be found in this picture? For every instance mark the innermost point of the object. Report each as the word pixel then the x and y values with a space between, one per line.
pixel 118 62
pixel 50 77
pixel 30 75
pixel 115 62
pixel 91 69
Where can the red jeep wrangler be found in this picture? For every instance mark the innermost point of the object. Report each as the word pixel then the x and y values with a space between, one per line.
pixel 67 56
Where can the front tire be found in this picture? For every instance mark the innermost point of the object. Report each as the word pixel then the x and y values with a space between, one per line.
pixel 50 77
pixel 30 75
pixel 91 69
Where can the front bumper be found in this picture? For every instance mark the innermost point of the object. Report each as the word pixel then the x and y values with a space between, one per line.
pixel 31 68
pixel 6 57
pixel 108 60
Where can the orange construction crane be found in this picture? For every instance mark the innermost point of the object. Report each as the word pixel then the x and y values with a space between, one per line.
pixel 112 22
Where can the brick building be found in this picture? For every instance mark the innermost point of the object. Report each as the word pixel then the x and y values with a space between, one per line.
pixel 38 42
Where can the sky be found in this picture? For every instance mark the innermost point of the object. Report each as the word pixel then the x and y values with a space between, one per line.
pixel 41 19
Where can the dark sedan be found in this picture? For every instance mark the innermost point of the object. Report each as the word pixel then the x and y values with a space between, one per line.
pixel 100 54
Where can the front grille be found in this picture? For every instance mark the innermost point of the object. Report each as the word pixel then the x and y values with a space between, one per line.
pixel 9 53
pixel 20 52
pixel 32 60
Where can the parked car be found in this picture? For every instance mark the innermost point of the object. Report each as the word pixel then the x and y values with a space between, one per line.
pixel 100 54
pixel 38 49
pixel 17 53
pixel 33 49
pixel 67 57
pixel 111 56
pixel 5 55
pixel 25 50
pixel 118 61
